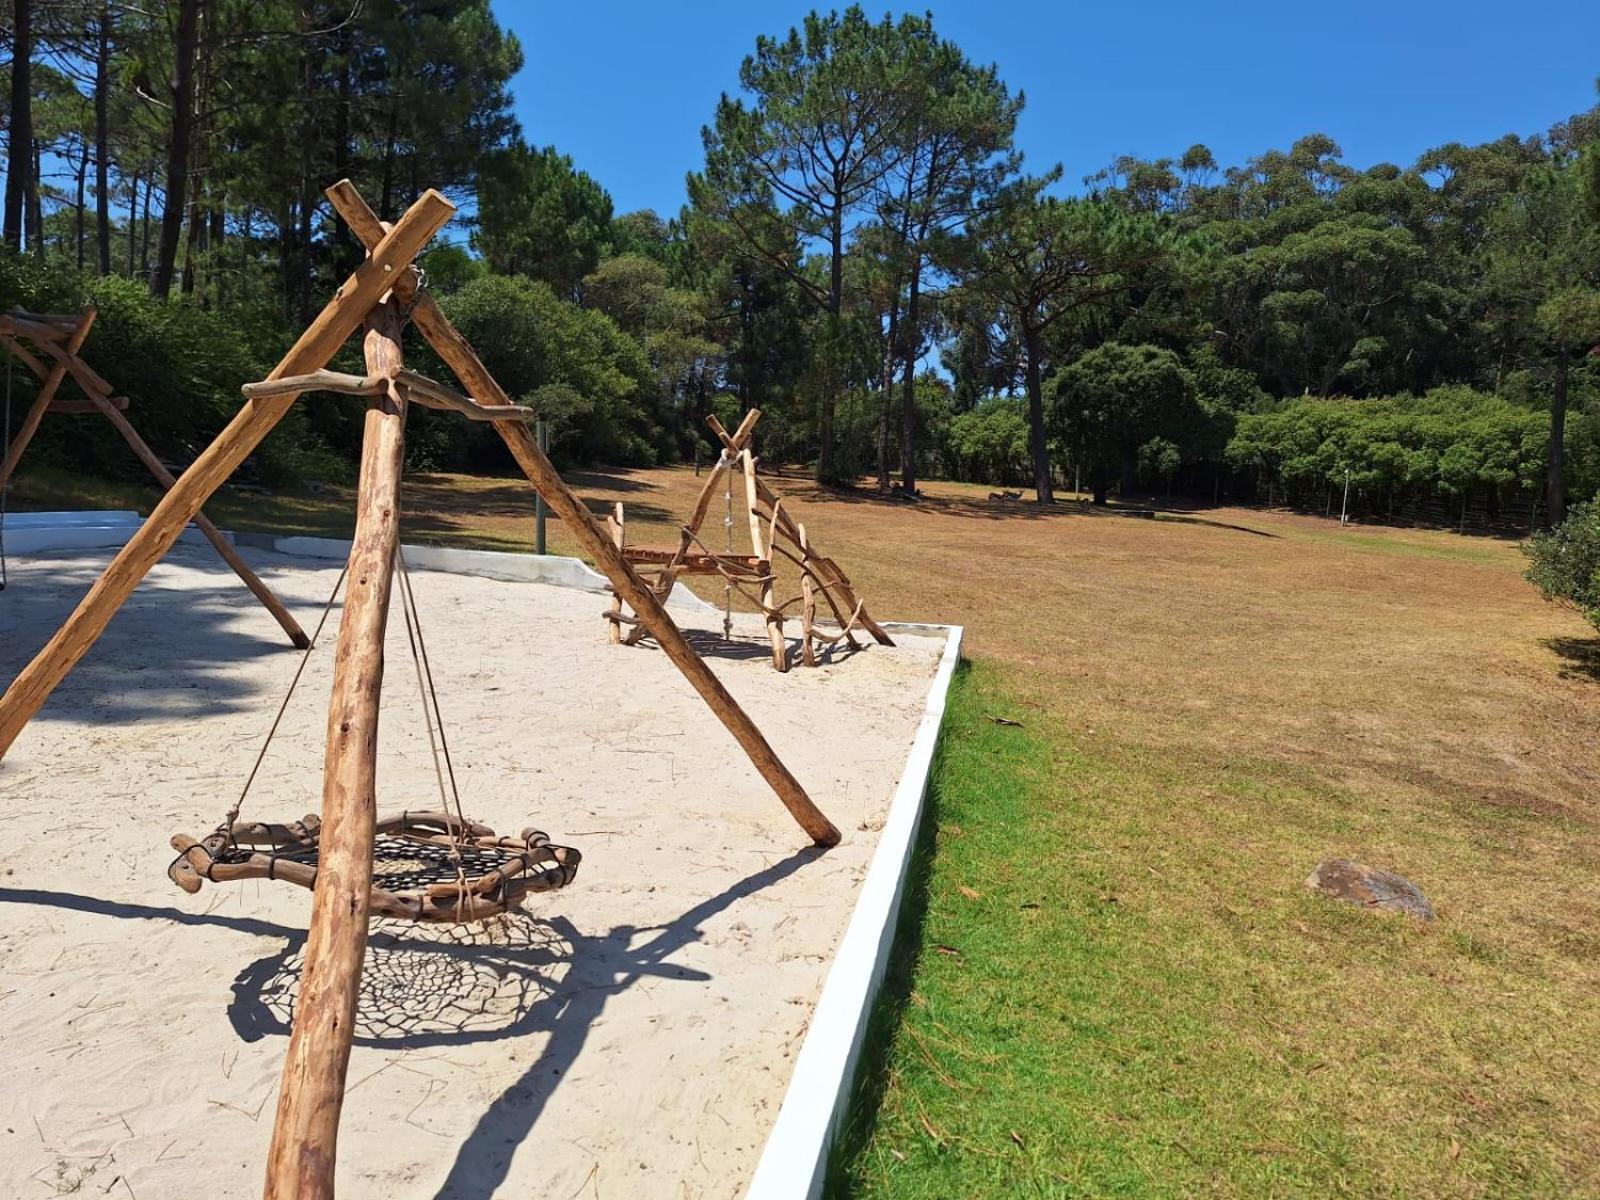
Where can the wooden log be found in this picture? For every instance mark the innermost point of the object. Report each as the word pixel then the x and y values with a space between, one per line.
pixel 808 611
pixel 82 408
pixel 224 548
pixel 423 391
pixel 828 571
pixel 774 616
pixel 300 1162
pixel 426 392
pixel 68 321
pixel 459 356
pixel 17 324
pixel 690 532
pixel 619 539
pixel 52 378
pixel 392 254
pixel 316 381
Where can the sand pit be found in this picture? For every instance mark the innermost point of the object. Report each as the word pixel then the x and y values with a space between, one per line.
pixel 629 1036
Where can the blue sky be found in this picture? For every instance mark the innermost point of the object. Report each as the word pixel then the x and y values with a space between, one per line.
pixel 624 87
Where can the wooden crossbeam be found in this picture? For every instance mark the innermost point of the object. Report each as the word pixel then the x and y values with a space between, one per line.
pixel 391 254
pixel 421 389
pixel 78 408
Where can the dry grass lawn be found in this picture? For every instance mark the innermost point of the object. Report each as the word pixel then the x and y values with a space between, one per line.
pixel 1116 982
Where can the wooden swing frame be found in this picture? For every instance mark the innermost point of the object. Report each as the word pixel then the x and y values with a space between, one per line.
pixel 57 341
pixel 379 296
pixel 751 575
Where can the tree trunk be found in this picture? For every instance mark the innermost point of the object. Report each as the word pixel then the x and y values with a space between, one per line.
pixel 889 345
pixel 102 140
pixel 1037 445
pixel 191 235
pixel 1555 481
pixel 81 203
pixel 908 394
pixel 144 228
pixel 35 234
pixel 827 398
pixel 19 147
pixel 133 212
pixel 185 42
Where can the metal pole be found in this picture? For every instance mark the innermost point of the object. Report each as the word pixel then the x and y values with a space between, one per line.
pixel 1344 505
pixel 541 433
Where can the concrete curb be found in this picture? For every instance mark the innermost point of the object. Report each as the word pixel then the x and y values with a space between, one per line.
pixel 794 1163
pixel 33 532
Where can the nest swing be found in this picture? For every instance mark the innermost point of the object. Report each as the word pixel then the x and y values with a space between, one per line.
pixel 427 866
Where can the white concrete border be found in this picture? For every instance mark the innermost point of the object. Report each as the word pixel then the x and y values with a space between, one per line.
pixel 794 1164
pixel 32 532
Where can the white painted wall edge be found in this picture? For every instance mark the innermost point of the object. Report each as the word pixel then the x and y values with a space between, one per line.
pixel 37 532
pixel 553 569
pixel 794 1162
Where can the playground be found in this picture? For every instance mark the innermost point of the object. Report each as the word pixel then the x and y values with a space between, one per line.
pixel 639 1024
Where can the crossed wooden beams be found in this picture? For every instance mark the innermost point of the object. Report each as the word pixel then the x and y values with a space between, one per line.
pixel 749 574
pixel 59 339
pixel 381 293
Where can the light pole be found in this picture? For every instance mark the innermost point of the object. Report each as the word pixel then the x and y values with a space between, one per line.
pixel 1344 505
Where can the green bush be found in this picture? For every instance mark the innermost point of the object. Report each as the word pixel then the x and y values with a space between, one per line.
pixel 1566 561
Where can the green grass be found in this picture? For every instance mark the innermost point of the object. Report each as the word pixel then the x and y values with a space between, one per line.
pixel 1111 983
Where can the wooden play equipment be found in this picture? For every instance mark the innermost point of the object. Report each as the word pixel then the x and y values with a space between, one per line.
pixel 57 342
pixel 750 575
pixel 427 866
pixel 381 294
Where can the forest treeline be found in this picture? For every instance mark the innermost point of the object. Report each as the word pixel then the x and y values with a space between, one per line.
pixel 864 255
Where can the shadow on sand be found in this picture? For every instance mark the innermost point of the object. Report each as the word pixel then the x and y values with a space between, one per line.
pixel 426 986
pixel 202 631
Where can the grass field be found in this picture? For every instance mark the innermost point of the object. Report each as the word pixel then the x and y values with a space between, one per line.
pixel 1114 982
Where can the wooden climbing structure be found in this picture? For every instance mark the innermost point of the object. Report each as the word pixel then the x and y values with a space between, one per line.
pixel 381 296
pixel 50 345
pixel 773 535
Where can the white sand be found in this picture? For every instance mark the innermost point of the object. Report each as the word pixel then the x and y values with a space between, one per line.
pixel 629 1036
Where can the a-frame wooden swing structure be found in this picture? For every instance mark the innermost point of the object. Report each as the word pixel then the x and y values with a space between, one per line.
pixel 381 294
pixel 773 534
pixel 51 346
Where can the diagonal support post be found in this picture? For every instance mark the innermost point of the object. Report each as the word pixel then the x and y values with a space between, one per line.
pixel 51 384
pixel 101 401
pixel 391 255
pixel 459 356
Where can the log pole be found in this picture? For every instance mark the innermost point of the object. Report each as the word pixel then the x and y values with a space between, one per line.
pixel 47 390
pixel 459 356
pixel 391 255
pixel 300 1163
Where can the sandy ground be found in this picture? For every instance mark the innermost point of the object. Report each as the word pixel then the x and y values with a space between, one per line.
pixel 629 1036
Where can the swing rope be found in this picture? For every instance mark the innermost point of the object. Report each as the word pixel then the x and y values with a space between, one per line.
pixel 432 717
pixel 305 657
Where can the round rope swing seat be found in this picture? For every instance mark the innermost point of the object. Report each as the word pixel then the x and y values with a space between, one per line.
pixel 427 866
